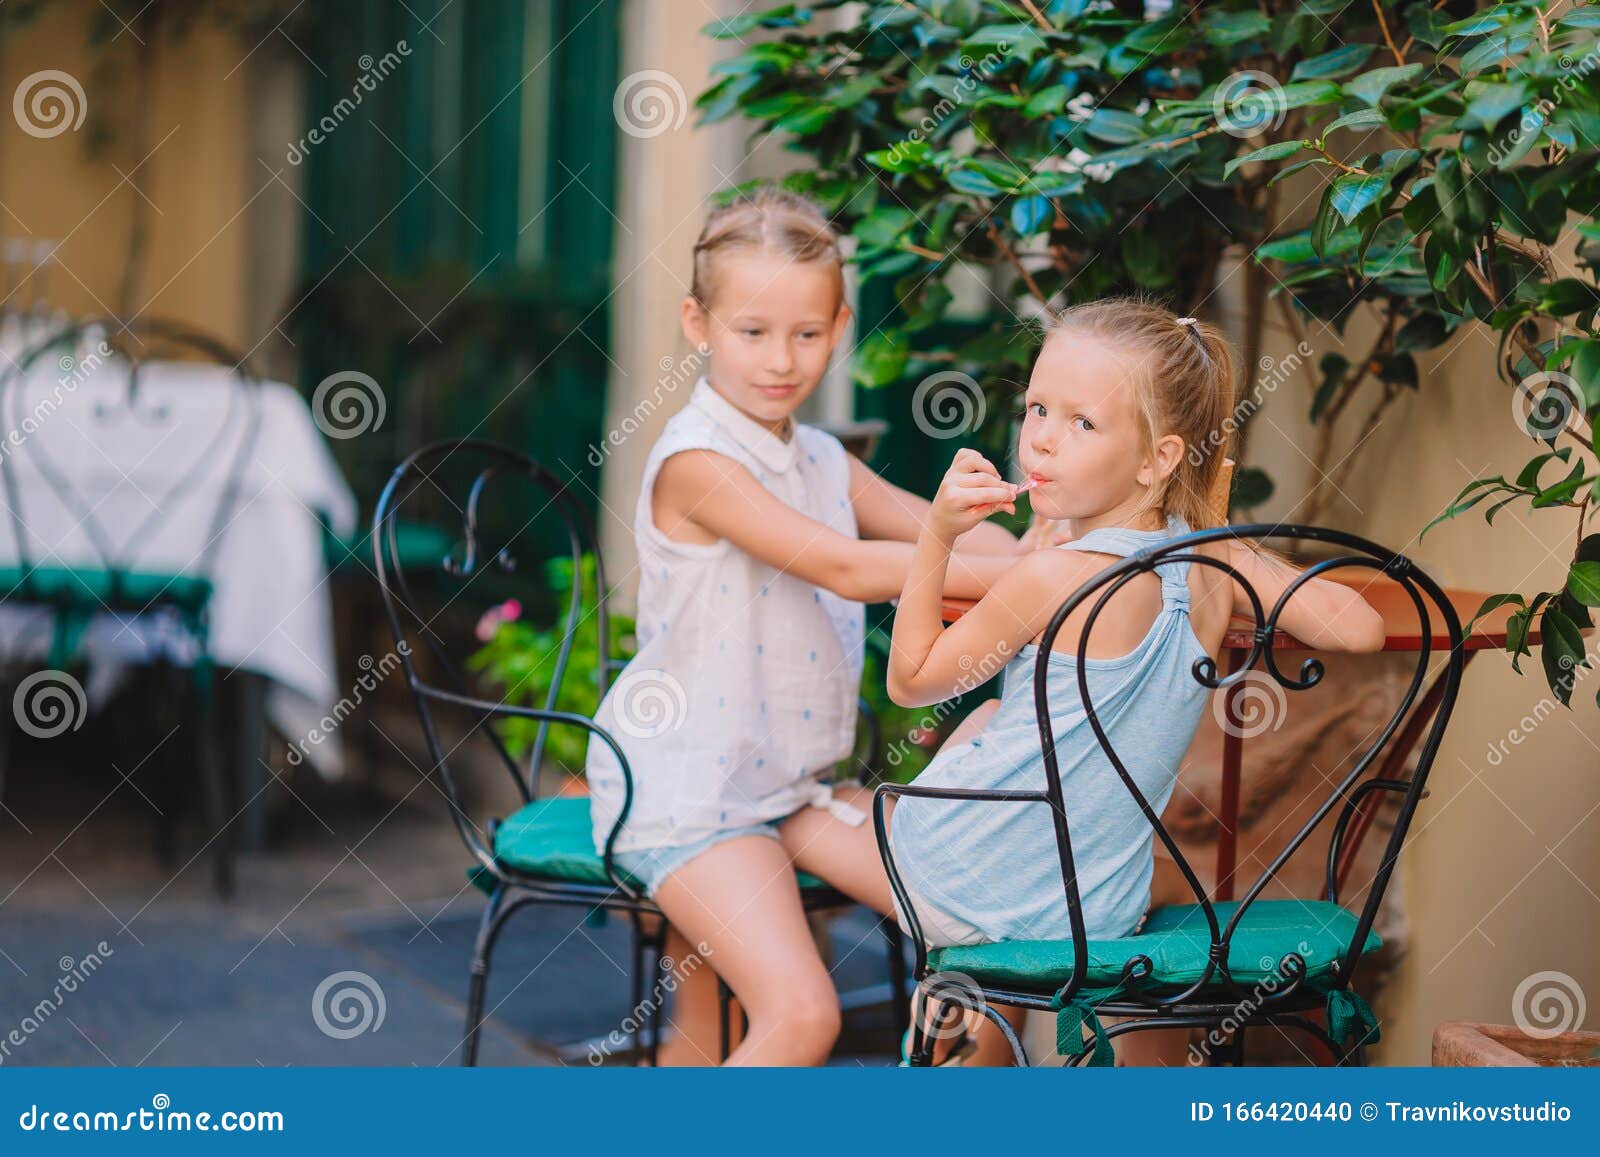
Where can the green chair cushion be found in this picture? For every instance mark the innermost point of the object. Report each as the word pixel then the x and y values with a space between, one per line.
pixel 418 547
pixel 552 839
pixel 100 589
pixel 1177 940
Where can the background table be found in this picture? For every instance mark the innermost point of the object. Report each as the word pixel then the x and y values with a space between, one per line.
pixel 270 611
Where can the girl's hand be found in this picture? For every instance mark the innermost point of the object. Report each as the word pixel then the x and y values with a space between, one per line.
pixel 971 491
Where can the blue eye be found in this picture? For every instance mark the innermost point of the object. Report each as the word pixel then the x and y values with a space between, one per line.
pixel 1037 406
pixel 1087 425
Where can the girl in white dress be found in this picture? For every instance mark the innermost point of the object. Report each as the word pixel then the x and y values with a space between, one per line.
pixel 759 540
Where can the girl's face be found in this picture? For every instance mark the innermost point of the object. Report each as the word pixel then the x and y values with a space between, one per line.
pixel 1081 435
pixel 771 326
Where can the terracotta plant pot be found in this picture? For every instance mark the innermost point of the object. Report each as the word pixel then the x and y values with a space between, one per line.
pixel 1467 1044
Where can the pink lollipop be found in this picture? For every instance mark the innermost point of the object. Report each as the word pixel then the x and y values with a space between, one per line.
pixel 1028 485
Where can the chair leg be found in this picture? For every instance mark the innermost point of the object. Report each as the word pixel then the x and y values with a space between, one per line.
pixel 724 1029
pixel 488 929
pixel 1018 1053
pixel 213 786
pixel 658 1017
pixel 920 1053
pixel 900 1006
pixel 636 1045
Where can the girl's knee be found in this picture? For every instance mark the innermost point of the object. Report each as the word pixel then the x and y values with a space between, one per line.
pixel 817 1019
pixel 808 1018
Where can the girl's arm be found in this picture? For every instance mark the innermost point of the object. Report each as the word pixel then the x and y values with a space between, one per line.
pixel 929 662
pixel 884 510
pixel 724 500
pixel 1323 614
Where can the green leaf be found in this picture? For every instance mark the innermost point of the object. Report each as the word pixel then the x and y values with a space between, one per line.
pixel 1308 92
pixel 1273 152
pixel 784 16
pixel 1480 25
pixel 1340 62
pixel 1334 367
pixel 1362 118
pixel 1031 214
pixel 1372 85
pixel 1146 259
pixel 884 226
pixel 967 180
pixel 881 359
pixel 1114 126
pixel 1047 102
pixel 1423 332
pixel 1583 583
pixel 1225 29
pixel 1290 170
pixel 1562 652
pixel 1492 104
pixel 1492 603
pixel 1353 192
pixel 1568 295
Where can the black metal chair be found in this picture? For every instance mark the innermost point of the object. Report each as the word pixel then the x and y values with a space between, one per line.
pixel 1227 966
pixel 120 579
pixel 543 852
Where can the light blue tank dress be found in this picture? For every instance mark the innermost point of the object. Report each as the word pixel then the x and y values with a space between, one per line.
pixel 994 865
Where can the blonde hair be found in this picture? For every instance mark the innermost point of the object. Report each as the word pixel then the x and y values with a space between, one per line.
pixel 770 220
pixel 1187 389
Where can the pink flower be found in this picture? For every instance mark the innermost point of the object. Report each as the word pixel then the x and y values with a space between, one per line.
pixel 507 612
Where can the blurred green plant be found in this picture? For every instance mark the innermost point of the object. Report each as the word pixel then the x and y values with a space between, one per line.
pixel 1064 150
pixel 519 659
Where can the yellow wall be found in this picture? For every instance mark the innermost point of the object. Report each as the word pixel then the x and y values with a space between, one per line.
pixel 1501 877
pixel 196 175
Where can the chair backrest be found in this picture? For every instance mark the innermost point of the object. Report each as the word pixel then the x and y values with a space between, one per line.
pixel 116 430
pixel 491 503
pixel 1261 662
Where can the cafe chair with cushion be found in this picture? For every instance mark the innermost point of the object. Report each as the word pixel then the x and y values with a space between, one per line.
pixel 1228 966
pixel 489 500
pixel 96 479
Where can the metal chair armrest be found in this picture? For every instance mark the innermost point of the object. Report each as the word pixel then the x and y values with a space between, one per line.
pixel 490 708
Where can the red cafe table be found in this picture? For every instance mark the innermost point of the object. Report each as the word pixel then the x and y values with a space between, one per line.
pixel 1402 632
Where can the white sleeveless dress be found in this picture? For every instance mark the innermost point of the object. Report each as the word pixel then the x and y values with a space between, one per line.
pixel 743 694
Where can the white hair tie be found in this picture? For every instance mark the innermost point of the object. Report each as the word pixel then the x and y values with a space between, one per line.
pixel 1187 321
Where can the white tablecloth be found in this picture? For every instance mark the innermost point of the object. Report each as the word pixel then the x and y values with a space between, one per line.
pixel 270 610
